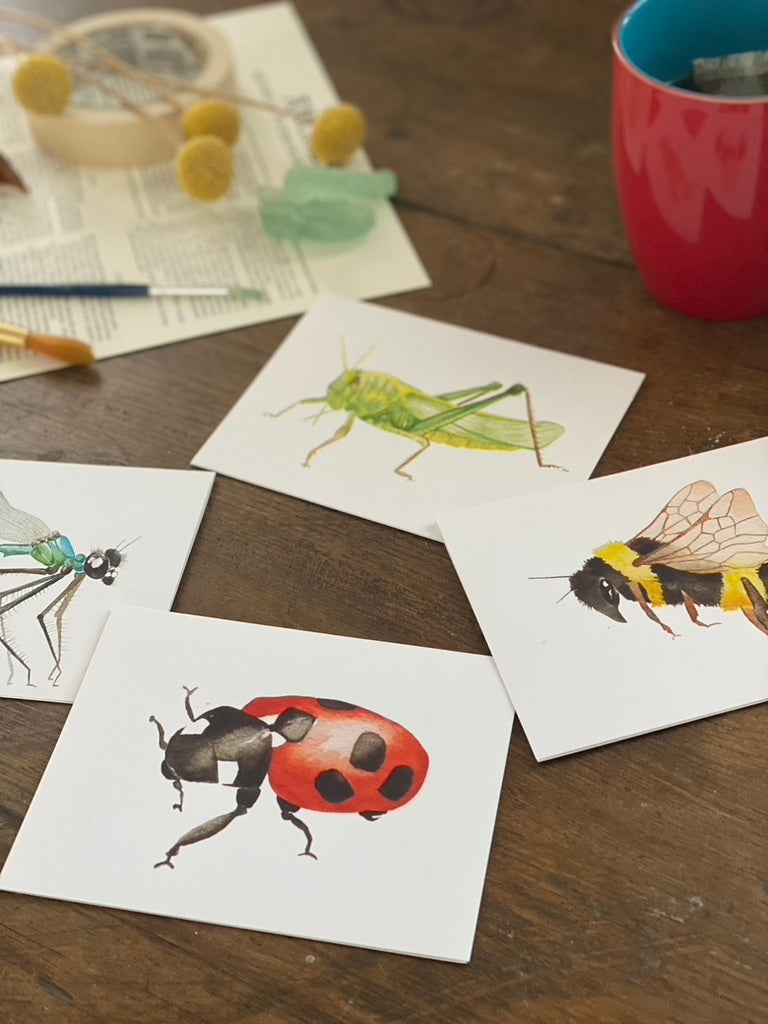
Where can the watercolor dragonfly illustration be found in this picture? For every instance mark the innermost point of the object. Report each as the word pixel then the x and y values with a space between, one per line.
pixel 24 535
pixel 457 418
pixel 702 549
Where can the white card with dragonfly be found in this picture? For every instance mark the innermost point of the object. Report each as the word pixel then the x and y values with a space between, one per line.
pixel 394 417
pixel 74 541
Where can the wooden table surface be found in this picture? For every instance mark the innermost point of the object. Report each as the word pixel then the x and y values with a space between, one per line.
pixel 626 884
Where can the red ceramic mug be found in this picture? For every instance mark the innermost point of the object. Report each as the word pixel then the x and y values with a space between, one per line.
pixel 692 169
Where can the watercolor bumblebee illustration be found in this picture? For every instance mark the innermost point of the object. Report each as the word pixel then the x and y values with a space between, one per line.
pixel 703 549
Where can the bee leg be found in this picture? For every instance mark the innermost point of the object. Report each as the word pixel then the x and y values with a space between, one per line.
pixel 693 612
pixel 642 600
pixel 758 613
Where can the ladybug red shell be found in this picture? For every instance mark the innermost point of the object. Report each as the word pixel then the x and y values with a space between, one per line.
pixel 339 757
pixel 335 757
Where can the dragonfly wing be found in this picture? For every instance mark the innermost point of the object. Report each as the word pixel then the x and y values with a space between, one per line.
pixel 681 512
pixel 730 535
pixel 19 527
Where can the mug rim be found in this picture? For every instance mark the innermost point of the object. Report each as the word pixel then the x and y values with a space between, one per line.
pixel 674 90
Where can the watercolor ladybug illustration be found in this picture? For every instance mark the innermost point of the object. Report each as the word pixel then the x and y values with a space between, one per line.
pixel 317 754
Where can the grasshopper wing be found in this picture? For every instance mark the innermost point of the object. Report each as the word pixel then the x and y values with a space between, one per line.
pixel 729 535
pixel 19 527
pixel 680 513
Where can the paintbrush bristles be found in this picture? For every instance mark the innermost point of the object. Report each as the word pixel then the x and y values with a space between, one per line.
pixel 76 353
pixel 67 350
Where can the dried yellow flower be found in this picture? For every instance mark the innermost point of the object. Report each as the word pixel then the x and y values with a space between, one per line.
pixel 213 117
pixel 44 84
pixel 205 167
pixel 338 133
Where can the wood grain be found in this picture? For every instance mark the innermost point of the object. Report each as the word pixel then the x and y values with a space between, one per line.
pixel 626 885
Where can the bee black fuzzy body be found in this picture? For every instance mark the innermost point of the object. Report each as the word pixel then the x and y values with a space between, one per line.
pixel 612 572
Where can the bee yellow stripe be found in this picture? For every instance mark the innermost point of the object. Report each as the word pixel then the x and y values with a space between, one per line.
pixel 735 596
pixel 622 558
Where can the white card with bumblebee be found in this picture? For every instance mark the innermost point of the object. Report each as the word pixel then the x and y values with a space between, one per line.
pixel 630 603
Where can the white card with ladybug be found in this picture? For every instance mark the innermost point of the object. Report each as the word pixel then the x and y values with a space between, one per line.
pixel 327 787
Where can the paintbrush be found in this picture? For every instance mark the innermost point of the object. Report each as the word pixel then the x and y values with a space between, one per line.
pixel 131 291
pixel 77 353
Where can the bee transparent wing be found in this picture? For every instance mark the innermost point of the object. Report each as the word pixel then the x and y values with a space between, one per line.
pixel 730 535
pixel 681 512
pixel 19 527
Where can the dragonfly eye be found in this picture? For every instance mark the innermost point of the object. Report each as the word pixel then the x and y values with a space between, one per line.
pixel 113 556
pixel 96 565
pixel 608 592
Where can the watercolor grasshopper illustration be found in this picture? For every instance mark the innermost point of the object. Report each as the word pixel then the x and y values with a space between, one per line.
pixel 457 418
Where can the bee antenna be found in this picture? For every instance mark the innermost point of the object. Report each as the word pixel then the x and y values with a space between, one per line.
pixel 123 544
pixel 563 577
pixel 569 591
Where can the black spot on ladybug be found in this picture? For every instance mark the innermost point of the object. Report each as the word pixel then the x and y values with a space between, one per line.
pixel 333 787
pixel 293 725
pixel 335 705
pixel 369 752
pixel 398 785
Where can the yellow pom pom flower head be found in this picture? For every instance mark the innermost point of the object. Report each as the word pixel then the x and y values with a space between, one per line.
pixel 205 167
pixel 338 134
pixel 44 84
pixel 213 117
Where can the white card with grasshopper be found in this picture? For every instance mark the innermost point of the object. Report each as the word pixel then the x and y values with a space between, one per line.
pixel 394 417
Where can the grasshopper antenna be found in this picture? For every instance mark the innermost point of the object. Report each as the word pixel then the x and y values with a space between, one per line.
pixel 359 362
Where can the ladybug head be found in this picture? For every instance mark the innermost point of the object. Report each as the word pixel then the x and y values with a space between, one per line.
pixel 190 758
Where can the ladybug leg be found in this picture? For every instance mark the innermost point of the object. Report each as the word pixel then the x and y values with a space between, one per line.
pixel 164 746
pixel 189 691
pixel 287 812
pixel 246 798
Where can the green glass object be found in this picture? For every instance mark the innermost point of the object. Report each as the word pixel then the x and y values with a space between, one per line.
pixel 308 182
pixel 315 220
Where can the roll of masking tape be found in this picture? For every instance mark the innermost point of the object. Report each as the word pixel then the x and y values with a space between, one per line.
pixel 96 129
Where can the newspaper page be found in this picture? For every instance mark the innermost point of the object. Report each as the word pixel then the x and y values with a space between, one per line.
pixel 80 224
